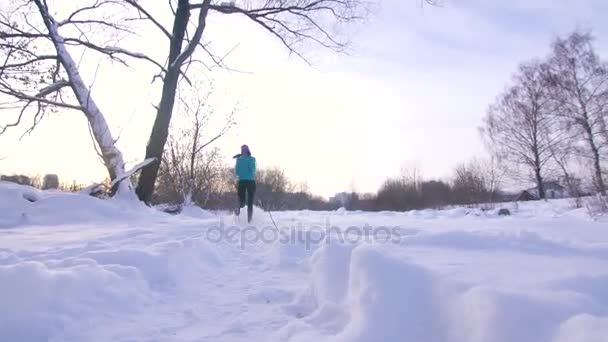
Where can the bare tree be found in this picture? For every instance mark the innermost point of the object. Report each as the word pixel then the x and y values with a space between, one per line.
pixel 411 175
pixel 435 194
pixel 39 72
pixel 402 192
pixel 293 22
pixel 178 185
pixel 564 155
pixel 273 189
pixel 519 128
pixel 477 181
pixel 578 81
pixel 190 167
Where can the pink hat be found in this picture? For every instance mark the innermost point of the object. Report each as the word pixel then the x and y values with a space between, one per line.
pixel 245 150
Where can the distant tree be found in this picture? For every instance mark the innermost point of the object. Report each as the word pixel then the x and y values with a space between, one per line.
pixel 577 82
pixel 493 174
pixel 565 157
pixel 273 188
pixel 411 175
pixel 435 194
pixel 190 168
pixel 365 202
pixel 50 181
pixel 72 186
pixel 519 127
pixel 476 182
pixel 18 179
pixel 398 194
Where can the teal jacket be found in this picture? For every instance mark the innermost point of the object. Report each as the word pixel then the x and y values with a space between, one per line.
pixel 245 168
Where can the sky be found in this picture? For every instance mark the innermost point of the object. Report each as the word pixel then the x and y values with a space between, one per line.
pixel 412 90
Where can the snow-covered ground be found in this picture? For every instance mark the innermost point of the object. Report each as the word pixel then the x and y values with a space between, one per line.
pixel 75 268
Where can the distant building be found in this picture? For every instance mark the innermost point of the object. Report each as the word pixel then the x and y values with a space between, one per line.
pixel 342 198
pixel 553 190
pixel 525 196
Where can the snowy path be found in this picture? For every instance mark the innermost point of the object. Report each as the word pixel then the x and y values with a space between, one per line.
pixel 132 274
pixel 194 291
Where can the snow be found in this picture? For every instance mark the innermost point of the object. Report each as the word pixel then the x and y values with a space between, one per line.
pixel 78 268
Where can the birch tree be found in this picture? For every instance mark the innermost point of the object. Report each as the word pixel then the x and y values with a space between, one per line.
pixel 578 85
pixel 518 126
pixel 40 73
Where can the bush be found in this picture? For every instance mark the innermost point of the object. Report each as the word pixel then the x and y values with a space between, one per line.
pixel 597 205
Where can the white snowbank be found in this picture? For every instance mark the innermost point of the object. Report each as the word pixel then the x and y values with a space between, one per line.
pixel 387 299
pixel 75 268
pixel 24 205
pixel 196 212
pixel 39 303
pixel 390 300
pixel 583 328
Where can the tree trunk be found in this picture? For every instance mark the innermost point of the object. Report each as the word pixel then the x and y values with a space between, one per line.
pixel 538 175
pixel 158 138
pixel 599 181
pixel 112 157
pixel 160 130
pixel 539 183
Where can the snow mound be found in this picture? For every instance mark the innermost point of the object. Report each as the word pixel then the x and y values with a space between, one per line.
pixel 162 265
pixel 293 248
pixel 583 328
pixel 39 302
pixel 25 205
pixel 390 300
pixel 482 314
pixel 363 294
pixel 43 298
pixel 196 212
pixel 330 271
pixel 521 240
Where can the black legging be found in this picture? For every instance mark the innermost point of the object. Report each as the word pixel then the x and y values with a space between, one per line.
pixel 246 191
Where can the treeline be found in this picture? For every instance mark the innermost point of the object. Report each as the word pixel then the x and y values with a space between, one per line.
pixel 213 187
pixel 551 120
pixel 472 183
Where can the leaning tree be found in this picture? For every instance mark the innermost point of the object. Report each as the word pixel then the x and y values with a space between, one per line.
pixel 41 68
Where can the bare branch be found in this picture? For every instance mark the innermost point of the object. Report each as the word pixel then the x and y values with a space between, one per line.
pixel 148 16
pixel 55 87
pixel 98 4
pixel 16 123
pixel 196 38
pixel 296 21
pixel 28 62
pixel 43 100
